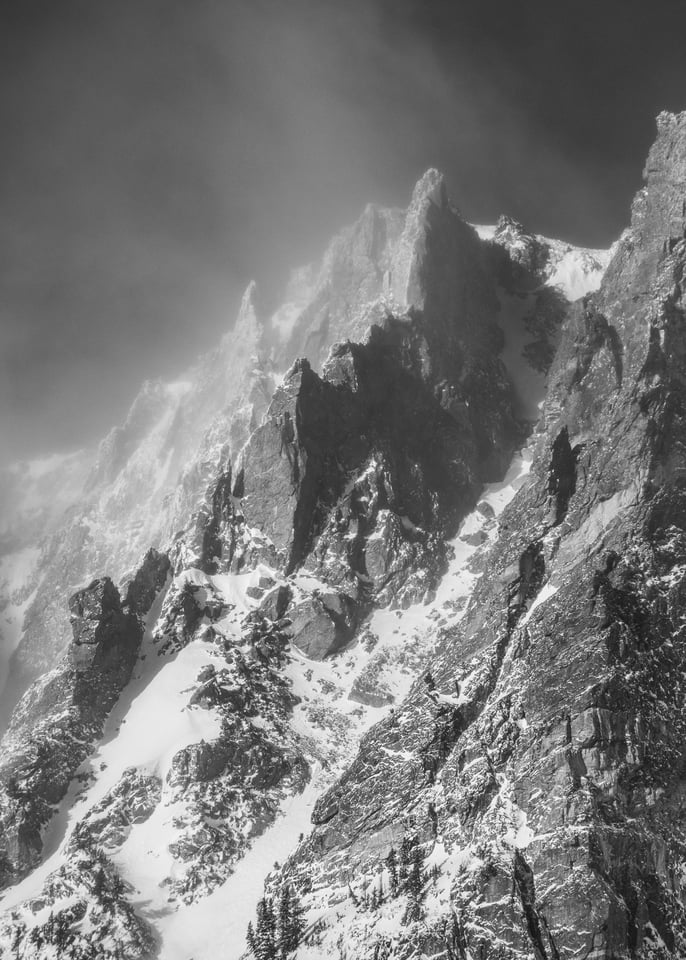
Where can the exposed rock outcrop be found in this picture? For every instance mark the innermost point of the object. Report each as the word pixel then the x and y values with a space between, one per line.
pixel 59 719
pixel 301 539
pixel 541 764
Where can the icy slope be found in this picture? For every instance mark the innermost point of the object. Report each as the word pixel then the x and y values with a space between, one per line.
pixel 575 271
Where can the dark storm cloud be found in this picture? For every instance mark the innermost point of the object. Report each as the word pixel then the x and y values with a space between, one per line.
pixel 158 155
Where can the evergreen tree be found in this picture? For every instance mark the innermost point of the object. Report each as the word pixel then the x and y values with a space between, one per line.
pixel 99 884
pixel 297 920
pixel 392 867
pixel 416 879
pixel 49 928
pixel 291 921
pixel 269 932
pixel 118 886
pixel 18 936
pixel 262 938
pixel 406 848
pixel 405 857
pixel 252 940
pixel 284 921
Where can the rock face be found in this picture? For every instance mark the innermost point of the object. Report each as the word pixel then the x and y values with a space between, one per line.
pixel 539 767
pixel 326 549
pixel 147 582
pixel 423 267
pixel 391 444
pixel 146 480
pixel 59 719
pixel 105 638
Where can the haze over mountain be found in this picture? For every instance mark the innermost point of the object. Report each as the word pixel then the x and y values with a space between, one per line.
pixel 158 155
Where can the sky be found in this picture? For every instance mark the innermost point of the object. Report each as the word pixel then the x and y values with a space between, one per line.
pixel 157 155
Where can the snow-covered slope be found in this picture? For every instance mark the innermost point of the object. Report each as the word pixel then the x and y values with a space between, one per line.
pixel 323 523
pixel 575 271
pixel 150 475
pixel 156 720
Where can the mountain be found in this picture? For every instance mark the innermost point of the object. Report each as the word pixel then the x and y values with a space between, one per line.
pixel 368 628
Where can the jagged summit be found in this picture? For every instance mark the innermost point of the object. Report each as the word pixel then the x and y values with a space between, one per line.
pixel 332 574
pixel 431 187
pixel 658 210
pixel 537 767
pixel 154 469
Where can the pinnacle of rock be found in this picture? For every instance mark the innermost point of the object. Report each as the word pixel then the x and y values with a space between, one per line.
pixel 431 186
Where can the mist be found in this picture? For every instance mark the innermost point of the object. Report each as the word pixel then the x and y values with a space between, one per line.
pixel 159 154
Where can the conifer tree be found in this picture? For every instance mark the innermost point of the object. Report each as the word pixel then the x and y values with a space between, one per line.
pixel 392 867
pixel 252 940
pixel 99 883
pixel 262 939
pixel 291 921
pixel 284 920
pixel 297 920
pixel 49 927
pixel 405 857
pixel 17 937
pixel 416 880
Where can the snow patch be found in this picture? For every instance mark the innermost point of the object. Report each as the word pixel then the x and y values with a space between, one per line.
pixel 196 929
pixel 544 594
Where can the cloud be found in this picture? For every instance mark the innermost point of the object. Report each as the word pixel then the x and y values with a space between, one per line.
pixel 158 154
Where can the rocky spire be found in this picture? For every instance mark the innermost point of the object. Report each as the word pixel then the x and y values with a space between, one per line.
pixel 405 281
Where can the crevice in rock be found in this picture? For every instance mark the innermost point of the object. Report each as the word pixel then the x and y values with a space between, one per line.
pixel 562 473
pixel 621 607
pixel 598 333
pixel 239 484
pixel 536 924
pixel 214 545
pixel 289 446
pixel 527 584
pixel 449 726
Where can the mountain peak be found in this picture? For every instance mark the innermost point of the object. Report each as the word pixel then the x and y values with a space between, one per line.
pixel 430 187
pixel 666 120
pixel 425 598
pixel 659 213
pixel 508 225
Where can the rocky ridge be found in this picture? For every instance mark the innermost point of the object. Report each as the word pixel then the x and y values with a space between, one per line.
pixel 376 451
pixel 536 770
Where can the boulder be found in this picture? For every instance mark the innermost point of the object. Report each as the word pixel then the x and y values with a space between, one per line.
pixel 312 630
